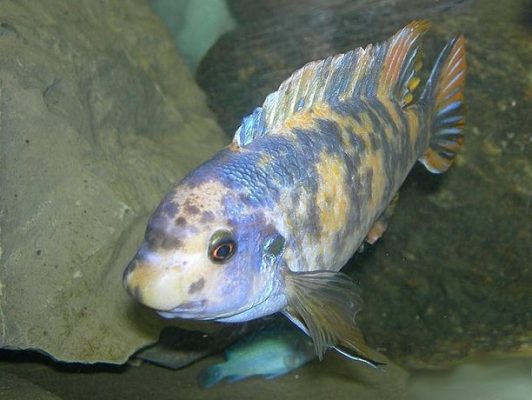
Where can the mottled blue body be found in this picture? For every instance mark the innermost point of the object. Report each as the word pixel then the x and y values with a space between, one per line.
pixel 278 172
pixel 266 224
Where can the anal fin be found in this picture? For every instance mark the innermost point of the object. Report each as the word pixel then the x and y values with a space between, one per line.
pixel 382 221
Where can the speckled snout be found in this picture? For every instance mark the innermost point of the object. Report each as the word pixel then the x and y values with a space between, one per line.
pixel 160 288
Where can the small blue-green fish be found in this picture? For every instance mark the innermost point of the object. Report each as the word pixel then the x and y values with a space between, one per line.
pixel 268 353
pixel 267 223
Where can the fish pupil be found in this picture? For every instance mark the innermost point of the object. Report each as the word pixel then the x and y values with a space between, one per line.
pixel 223 251
pixel 222 247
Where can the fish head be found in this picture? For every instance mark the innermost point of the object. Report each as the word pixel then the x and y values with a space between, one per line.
pixel 207 255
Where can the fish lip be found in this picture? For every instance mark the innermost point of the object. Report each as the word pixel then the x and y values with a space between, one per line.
pixel 188 313
pixel 193 314
pixel 189 307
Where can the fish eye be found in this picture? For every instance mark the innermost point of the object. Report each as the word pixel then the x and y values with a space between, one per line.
pixel 222 246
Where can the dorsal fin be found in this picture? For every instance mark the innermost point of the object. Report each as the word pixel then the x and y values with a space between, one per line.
pixel 252 126
pixel 398 78
pixel 387 69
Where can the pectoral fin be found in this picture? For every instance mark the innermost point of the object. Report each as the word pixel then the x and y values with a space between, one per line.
pixel 324 305
pixel 359 357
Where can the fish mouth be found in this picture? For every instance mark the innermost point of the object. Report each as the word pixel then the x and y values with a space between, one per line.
pixel 197 314
pixel 196 310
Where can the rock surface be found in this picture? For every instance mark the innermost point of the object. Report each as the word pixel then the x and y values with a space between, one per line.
pixel 98 117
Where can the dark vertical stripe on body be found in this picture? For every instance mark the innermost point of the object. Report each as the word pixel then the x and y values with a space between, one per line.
pixel 329 130
pixel 397 152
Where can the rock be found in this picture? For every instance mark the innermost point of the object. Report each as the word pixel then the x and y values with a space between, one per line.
pixel 99 116
pixel 451 276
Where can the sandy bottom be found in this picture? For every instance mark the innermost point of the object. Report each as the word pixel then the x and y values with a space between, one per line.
pixel 333 378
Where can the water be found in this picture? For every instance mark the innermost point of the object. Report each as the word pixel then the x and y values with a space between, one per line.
pixel 451 279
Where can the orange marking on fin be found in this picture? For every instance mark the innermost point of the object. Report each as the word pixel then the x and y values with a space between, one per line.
pixel 382 221
pixel 436 161
pixel 453 75
pixel 414 83
pixel 445 94
pixel 376 232
pixel 396 60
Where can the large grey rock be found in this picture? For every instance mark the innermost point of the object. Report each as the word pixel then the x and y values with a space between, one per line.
pixel 98 117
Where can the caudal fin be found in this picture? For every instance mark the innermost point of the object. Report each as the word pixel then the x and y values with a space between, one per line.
pixel 210 376
pixel 444 98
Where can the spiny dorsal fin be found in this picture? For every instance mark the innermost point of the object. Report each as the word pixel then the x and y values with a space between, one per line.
pixel 252 126
pixel 398 77
pixel 387 69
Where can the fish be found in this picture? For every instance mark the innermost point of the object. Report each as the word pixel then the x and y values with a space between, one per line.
pixel 269 353
pixel 178 348
pixel 267 223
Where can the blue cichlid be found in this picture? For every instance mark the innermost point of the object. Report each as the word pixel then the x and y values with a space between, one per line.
pixel 267 223
pixel 269 353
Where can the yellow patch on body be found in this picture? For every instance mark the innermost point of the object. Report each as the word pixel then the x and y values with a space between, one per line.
pixel 332 198
pixel 306 119
pixel 302 120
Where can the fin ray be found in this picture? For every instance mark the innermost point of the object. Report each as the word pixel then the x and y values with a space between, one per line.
pixel 324 305
pixel 381 224
pixel 355 357
pixel 444 97
pixel 210 376
pixel 386 69
pixel 401 64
